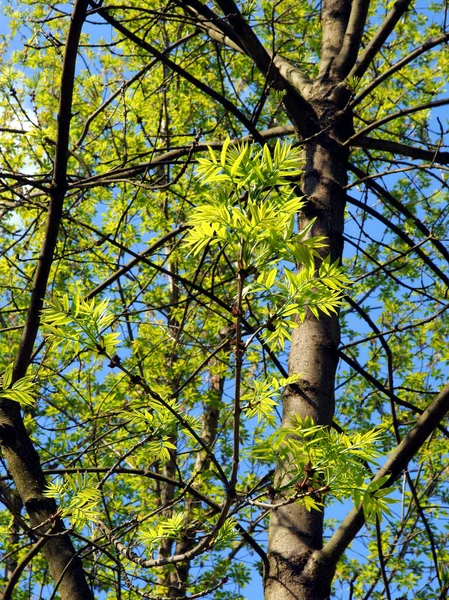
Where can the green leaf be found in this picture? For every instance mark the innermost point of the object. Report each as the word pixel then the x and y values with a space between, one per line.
pixel 7 376
pixel 23 391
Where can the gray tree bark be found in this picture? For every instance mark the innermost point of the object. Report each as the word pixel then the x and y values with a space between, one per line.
pixel 295 534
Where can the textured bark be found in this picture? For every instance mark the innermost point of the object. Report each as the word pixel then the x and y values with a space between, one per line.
pixel 295 535
pixel 294 532
pixel 23 463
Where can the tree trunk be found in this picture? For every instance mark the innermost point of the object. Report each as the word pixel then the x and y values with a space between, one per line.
pixel 294 532
pixel 23 463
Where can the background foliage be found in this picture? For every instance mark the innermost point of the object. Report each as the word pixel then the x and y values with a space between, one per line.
pixel 153 389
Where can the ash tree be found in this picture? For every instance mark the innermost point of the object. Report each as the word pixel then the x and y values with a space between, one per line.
pixel 223 288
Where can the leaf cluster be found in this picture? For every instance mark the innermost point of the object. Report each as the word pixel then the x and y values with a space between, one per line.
pixel 78 497
pixel 23 390
pixel 249 208
pixel 79 325
pixel 316 458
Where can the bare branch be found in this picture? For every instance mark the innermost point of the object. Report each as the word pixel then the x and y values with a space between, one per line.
pixel 161 242
pixel 434 156
pixel 382 559
pixel 352 38
pixel 396 115
pixel 379 386
pixel 263 58
pixel 215 27
pixel 402 209
pixel 404 237
pixel 428 45
pixel 399 9
pixel 279 73
pixel 172 156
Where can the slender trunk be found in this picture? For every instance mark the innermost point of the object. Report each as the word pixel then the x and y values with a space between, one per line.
pixel 210 419
pixel 294 532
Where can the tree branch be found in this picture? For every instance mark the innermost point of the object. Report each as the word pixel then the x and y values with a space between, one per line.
pixel 396 115
pixel 428 45
pixel 378 385
pixel 134 261
pixel 14 580
pixel 352 38
pixel 400 8
pixel 264 59
pixel 404 237
pixel 433 156
pixel 172 156
pixel 397 329
pixel 215 27
pixel 402 209
pixel 393 467
pixel 57 191
pixel 19 451
pixel 279 73
pixel 125 86
pixel 227 104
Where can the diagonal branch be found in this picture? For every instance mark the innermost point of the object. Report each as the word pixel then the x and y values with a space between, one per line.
pixel 394 466
pixel 398 329
pixel 216 27
pixel 396 115
pixel 160 243
pixel 279 73
pixel 378 385
pixel 402 209
pixel 172 156
pixel 227 104
pixel 271 66
pixel 400 7
pixel 427 45
pixel 404 237
pixel 14 580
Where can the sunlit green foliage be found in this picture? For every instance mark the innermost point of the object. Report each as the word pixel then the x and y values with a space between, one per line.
pixel 80 326
pixel 120 388
pixel 249 210
pixel 318 461
pixel 22 391
pixel 79 500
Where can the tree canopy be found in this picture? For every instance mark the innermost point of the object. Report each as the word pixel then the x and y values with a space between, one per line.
pixel 223 299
